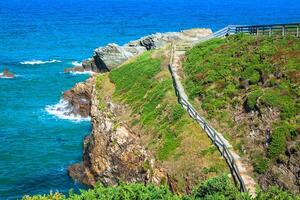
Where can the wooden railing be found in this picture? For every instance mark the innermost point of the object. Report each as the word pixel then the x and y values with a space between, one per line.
pixel 292 29
pixel 218 141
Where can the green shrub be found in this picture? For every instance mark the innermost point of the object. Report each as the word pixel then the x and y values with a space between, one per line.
pixel 230 90
pixel 261 164
pixel 251 74
pixel 276 194
pixel 277 144
pixel 220 187
pixel 252 98
pixel 284 102
pixel 216 188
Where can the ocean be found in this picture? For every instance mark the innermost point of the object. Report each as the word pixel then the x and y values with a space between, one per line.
pixel 39 38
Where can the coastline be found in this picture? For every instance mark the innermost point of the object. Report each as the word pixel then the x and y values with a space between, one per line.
pixel 99 156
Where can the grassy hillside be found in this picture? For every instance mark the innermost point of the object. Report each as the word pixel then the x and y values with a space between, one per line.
pixel 176 141
pixel 249 88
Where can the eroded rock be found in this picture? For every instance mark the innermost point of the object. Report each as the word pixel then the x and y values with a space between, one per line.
pixel 112 55
pixel 113 152
pixel 79 98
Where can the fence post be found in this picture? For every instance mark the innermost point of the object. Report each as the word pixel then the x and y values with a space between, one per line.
pixel 223 150
pixel 215 137
pixel 297 34
pixel 270 33
pixel 283 30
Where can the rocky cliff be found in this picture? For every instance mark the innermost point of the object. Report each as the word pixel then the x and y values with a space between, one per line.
pixel 112 55
pixel 79 98
pixel 113 152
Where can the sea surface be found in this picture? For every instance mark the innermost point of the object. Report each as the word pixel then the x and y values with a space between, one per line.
pixel 39 38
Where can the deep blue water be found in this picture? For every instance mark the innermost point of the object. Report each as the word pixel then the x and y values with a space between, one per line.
pixel 36 147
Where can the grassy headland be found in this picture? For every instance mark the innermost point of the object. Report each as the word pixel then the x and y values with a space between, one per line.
pixel 144 87
pixel 176 141
pixel 249 88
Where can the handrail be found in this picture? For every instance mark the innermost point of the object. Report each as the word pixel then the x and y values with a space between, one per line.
pixel 268 29
pixel 211 132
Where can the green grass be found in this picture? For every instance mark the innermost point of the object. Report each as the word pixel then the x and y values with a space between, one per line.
pixel 145 86
pixel 136 85
pixel 216 72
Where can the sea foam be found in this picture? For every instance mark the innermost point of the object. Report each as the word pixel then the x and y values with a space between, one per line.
pixel 76 63
pixel 63 110
pixel 4 77
pixel 39 62
pixel 84 72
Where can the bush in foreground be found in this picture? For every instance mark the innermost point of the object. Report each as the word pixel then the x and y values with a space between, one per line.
pixel 217 188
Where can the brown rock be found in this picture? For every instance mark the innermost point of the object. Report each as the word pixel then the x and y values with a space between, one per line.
pixel 7 74
pixel 79 98
pixel 74 69
pixel 112 152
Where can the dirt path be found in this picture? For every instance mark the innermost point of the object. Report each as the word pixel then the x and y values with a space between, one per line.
pixel 179 49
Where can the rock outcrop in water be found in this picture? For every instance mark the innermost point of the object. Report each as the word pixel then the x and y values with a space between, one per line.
pixel 112 55
pixel 79 98
pixel 109 57
pixel 7 74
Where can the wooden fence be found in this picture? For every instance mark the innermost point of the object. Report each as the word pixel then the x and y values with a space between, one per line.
pixel 217 139
pixel 211 132
pixel 292 29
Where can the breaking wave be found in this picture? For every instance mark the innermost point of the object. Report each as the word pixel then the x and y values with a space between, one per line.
pixel 84 72
pixel 64 110
pixel 39 62
pixel 76 63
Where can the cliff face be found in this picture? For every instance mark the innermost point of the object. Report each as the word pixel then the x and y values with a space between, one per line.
pixel 79 98
pixel 113 152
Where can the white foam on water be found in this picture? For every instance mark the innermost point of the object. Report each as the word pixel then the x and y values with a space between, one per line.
pixel 63 110
pixel 39 62
pixel 80 73
pixel 4 77
pixel 76 63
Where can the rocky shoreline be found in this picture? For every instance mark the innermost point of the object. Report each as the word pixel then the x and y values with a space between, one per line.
pixel 113 152
pixel 106 58
pixel 107 155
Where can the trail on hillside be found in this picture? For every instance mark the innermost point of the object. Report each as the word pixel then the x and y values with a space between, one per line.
pixel 178 51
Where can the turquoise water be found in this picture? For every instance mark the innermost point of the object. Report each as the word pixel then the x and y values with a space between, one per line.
pixel 35 147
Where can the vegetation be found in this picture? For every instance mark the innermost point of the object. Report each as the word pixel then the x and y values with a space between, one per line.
pixel 217 73
pixel 145 95
pixel 217 188
pixel 242 72
pixel 145 86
